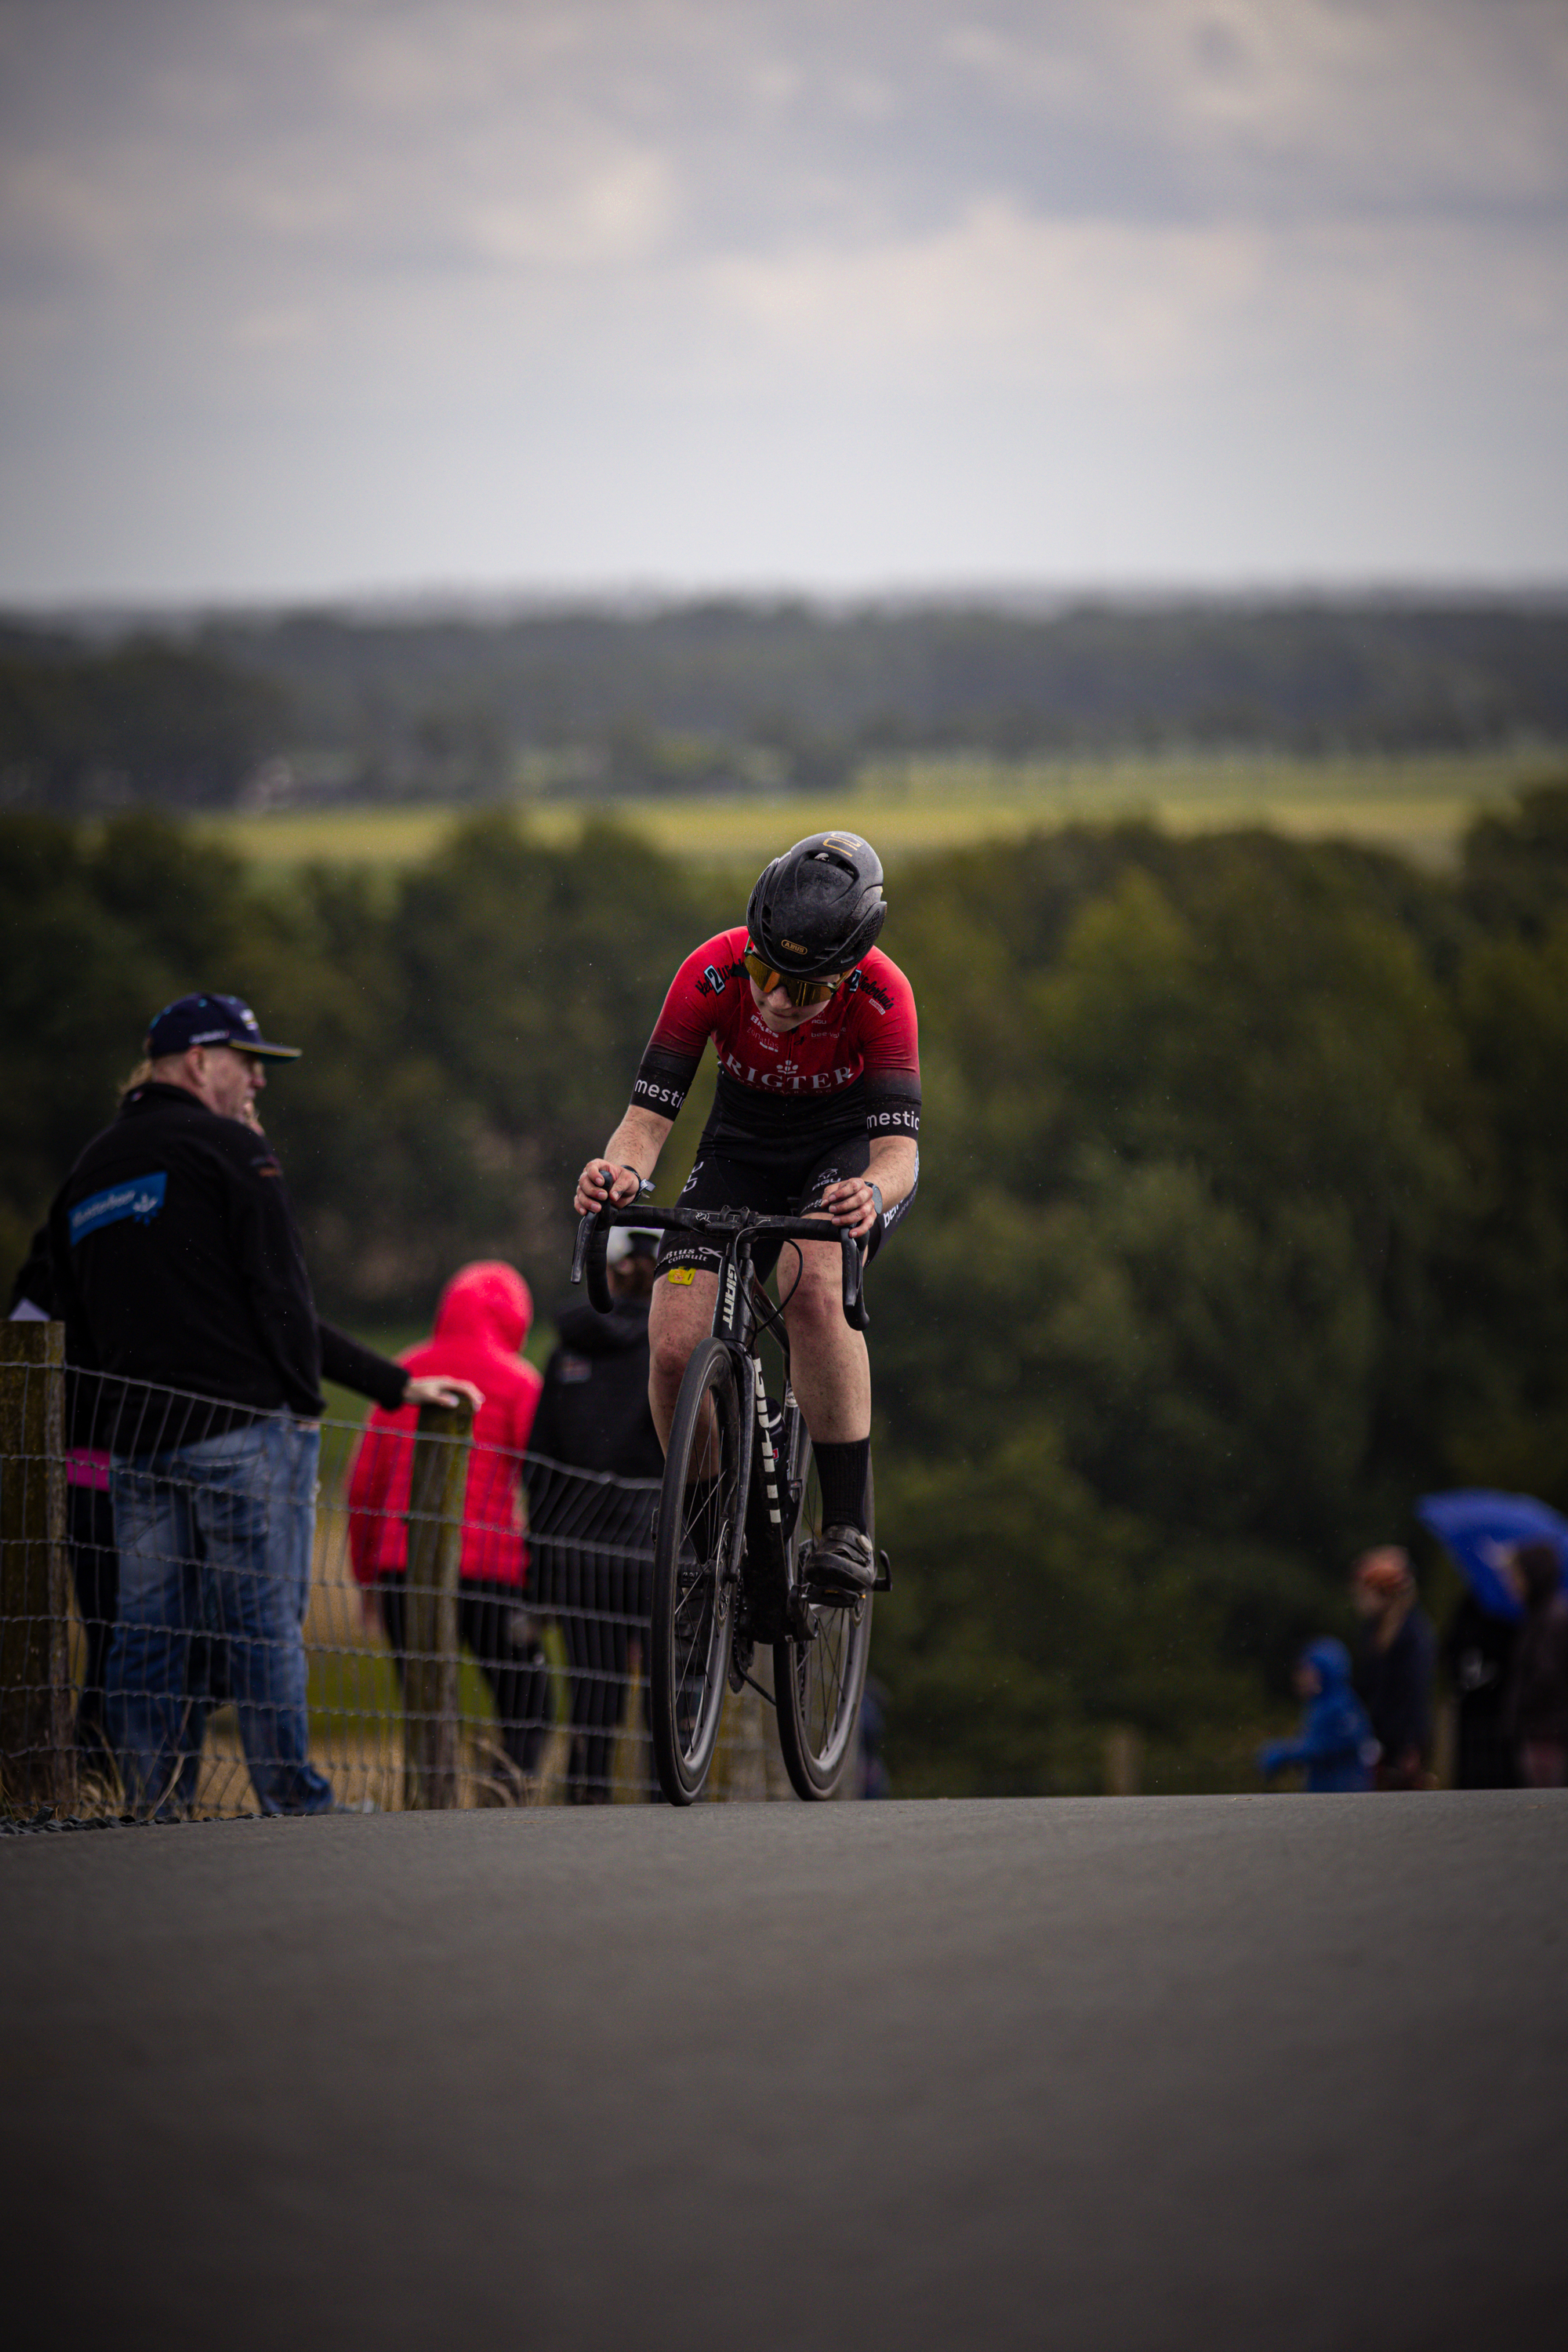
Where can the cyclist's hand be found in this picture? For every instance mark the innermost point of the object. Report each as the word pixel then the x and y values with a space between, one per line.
pixel 852 1205
pixel 602 1180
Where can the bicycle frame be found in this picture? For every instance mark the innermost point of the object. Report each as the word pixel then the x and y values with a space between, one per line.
pixel 771 1605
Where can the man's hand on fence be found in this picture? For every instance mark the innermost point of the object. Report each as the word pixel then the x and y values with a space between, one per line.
pixel 435 1388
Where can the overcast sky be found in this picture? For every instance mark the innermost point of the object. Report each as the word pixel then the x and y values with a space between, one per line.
pixel 300 296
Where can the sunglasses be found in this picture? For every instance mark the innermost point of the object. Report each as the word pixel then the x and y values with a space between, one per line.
pixel 799 991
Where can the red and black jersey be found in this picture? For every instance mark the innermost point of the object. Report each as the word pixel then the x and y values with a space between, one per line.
pixel 854 1064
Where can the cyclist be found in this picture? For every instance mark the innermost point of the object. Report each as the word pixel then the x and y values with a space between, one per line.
pixel 817 1113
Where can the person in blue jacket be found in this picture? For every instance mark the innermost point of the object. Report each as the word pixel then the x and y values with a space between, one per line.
pixel 1336 1741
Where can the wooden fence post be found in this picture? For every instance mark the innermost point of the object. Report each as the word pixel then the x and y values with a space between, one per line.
pixel 38 1744
pixel 1123 1761
pixel 435 1492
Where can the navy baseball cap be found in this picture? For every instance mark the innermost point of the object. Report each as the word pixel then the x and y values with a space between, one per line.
pixel 212 1021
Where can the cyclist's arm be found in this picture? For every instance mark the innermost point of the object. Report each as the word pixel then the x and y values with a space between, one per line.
pixel 636 1144
pixel 895 1163
pixel 892 1167
pixel 890 1038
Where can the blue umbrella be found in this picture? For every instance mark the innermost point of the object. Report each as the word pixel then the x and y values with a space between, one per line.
pixel 1478 1527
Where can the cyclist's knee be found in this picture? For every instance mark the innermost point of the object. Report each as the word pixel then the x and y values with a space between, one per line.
pixel 816 1304
pixel 677 1321
pixel 668 1355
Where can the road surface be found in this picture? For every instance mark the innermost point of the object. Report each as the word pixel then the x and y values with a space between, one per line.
pixel 1283 2075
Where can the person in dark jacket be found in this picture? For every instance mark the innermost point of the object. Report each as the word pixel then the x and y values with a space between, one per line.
pixel 593 1416
pixel 1538 1687
pixel 1478 1654
pixel 1395 1666
pixel 1335 1742
pixel 181 1276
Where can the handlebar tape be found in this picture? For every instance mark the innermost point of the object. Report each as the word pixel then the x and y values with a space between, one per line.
pixel 589 1255
pixel 598 1276
pixel 854 1313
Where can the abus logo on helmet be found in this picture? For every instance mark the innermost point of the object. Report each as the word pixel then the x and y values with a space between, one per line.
pixel 849 841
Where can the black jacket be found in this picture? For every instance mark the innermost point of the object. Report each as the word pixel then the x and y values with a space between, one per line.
pixel 177 1262
pixel 1395 1687
pixel 594 1413
pixel 1537 1688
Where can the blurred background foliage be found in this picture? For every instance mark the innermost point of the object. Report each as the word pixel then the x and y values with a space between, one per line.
pixel 311 708
pixel 1242 1218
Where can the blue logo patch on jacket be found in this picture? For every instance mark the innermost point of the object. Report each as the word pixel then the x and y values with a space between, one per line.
pixel 142 1198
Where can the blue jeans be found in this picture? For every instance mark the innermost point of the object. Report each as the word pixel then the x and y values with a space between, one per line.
pixel 215 1543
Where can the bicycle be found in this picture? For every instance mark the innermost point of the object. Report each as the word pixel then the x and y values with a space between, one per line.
pixel 738 1512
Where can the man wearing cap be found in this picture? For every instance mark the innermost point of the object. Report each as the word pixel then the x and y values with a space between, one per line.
pixel 182 1280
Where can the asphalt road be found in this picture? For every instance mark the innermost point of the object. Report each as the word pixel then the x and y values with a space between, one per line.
pixel 1262 2072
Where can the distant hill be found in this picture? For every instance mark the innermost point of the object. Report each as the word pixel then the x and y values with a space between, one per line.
pixel 701 695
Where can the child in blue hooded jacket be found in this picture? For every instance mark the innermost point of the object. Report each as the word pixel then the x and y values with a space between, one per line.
pixel 1336 1741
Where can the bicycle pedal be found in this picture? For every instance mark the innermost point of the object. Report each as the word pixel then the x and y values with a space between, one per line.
pixel 742 1655
pixel 804 1624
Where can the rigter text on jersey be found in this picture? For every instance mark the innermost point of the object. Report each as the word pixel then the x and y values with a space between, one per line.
pixel 777 1081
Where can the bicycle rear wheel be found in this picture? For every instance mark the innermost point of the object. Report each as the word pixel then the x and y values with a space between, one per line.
pixel 818 1683
pixel 695 1563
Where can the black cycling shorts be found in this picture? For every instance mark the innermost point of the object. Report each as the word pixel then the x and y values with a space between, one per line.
pixel 777 1179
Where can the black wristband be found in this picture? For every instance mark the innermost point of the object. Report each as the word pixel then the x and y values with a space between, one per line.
pixel 644 1185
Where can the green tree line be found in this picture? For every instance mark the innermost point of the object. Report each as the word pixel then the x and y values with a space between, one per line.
pixel 83 729
pixel 736 695
pixel 1242 1217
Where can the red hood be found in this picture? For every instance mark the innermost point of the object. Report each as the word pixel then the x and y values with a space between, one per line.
pixel 488 1300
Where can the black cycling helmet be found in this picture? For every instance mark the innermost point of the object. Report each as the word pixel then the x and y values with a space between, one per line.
pixel 819 907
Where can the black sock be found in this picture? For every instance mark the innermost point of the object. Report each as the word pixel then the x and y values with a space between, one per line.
pixel 842 1472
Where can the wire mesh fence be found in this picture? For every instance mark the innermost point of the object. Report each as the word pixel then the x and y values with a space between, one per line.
pixel 207 1611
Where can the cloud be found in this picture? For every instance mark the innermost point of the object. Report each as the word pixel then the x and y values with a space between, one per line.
pixel 999 295
pixel 389 238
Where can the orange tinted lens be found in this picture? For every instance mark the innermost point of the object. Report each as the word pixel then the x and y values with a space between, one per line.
pixel 799 991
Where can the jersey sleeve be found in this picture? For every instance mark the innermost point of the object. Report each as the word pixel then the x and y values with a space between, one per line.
pixel 690 1016
pixel 889 1044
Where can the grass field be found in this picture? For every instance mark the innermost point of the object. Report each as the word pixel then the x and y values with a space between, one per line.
pixel 1417 806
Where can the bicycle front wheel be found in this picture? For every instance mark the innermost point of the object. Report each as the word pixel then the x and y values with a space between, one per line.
pixel 818 1683
pixel 695 1564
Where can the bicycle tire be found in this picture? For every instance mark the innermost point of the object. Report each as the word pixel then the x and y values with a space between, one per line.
pixel 695 1563
pixel 818 1685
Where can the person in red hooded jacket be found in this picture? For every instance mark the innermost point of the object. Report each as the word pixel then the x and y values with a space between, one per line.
pixel 481 1322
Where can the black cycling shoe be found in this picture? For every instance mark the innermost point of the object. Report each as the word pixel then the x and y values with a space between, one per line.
pixel 841 1564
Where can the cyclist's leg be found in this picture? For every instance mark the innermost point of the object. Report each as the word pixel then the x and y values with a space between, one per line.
pixel 829 1367
pixel 680 1317
pixel 832 1377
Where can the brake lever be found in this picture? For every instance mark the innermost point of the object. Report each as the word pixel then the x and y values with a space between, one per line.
pixel 855 1309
